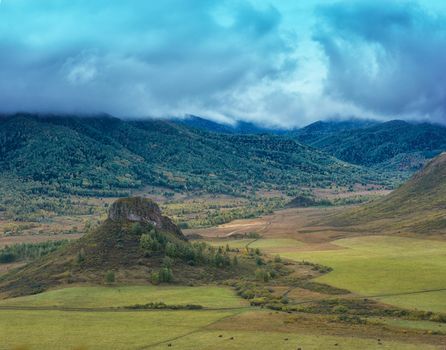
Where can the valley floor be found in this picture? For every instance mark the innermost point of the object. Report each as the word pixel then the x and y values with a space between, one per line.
pixel 44 322
pixel 399 271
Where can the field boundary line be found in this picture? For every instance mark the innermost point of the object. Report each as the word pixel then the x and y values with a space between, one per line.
pixel 112 309
pixel 187 334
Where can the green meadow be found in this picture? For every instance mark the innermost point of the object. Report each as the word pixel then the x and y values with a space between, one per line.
pixel 157 329
pixel 97 297
pixel 98 330
pixel 386 267
pixel 242 340
pixel 265 244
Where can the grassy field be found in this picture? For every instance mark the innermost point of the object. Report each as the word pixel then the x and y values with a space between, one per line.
pixel 434 327
pixel 97 330
pixel 96 297
pixel 42 330
pixel 276 340
pixel 383 265
pixel 268 245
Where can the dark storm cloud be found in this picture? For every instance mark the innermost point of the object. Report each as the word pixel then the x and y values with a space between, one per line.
pixel 133 58
pixel 386 57
pixel 284 64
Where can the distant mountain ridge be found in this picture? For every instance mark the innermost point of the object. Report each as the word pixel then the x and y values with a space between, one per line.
pixel 240 127
pixel 393 145
pixel 108 156
pixel 320 129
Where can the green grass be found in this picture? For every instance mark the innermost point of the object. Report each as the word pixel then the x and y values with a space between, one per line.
pixel 269 244
pixel 42 330
pixel 97 330
pixel 407 324
pixel 208 296
pixel 210 340
pixel 266 244
pixel 376 265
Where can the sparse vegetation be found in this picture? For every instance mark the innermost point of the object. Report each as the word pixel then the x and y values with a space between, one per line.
pixel 28 251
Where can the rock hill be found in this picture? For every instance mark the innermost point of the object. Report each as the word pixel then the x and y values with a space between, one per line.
pixel 133 243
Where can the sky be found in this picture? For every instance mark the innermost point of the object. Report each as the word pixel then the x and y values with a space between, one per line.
pixel 281 63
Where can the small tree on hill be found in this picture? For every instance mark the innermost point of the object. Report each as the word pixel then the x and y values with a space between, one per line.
pixel 165 275
pixel 110 277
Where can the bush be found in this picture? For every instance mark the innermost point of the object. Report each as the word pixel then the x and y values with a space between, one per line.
pixel 165 275
pixel 155 278
pixel 262 275
pixel 7 257
pixel 148 243
pixel 259 261
pixel 81 256
pixel 136 228
pixel 110 277
pixel 167 262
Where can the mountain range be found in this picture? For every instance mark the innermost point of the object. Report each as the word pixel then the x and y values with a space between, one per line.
pixel 393 145
pixel 104 156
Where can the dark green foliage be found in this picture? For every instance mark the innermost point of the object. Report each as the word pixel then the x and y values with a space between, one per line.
pixel 28 251
pixel 396 145
pixel 317 267
pixel 7 257
pixel 165 275
pixel 153 242
pixel 81 256
pixel 163 306
pixel 262 275
pixel 49 157
pixel 110 277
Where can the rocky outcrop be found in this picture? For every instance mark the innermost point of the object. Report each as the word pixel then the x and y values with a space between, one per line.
pixel 144 210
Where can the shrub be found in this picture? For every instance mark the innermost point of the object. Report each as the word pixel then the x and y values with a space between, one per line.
pixel 167 262
pixel 7 257
pixel 155 278
pixel 165 275
pixel 262 275
pixel 136 228
pixel 171 250
pixel 80 256
pixel 148 243
pixel 110 277
pixel 259 261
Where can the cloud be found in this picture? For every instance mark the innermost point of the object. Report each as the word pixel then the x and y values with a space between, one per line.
pixel 81 69
pixel 135 59
pixel 385 57
pixel 286 63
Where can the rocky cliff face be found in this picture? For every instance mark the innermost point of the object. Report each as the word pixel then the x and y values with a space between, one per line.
pixel 144 210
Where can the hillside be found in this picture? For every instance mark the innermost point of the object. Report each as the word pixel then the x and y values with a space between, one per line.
pixel 136 244
pixel 417 206
pixel 240 127
pixel 394 145
pixel 57 156
pixel 321 129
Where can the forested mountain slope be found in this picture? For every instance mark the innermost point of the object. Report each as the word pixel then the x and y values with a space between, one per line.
pixel 394 145
pixel 103 155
